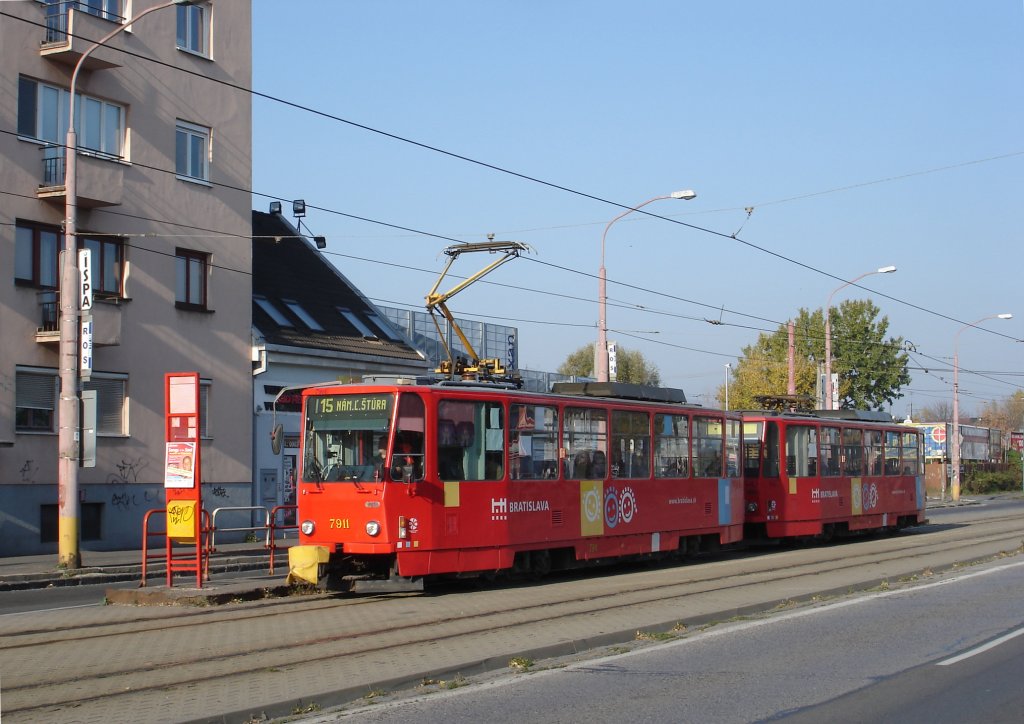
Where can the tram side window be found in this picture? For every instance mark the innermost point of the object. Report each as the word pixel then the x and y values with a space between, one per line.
pixel 671 446
pixel 873 447
pixel 892 453
pixel 708 443
pixel 771 450
pixel 911 460
pixel 732 448
pixel 631 445
pixel 801 451
pixel 752 449
pixel 470 440
pixel 831 452
pixel 853 451
pixel 585 439
pixel 533 442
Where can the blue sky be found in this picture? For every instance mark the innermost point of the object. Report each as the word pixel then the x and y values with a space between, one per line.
pixel 862 134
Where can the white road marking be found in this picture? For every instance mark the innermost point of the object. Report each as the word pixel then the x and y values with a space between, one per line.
pixel 981 649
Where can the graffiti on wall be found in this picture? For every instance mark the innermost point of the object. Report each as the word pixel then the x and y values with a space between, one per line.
pixel 29 471
pixel 127 471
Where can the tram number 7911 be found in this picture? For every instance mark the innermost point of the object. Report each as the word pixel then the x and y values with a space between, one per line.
pixel 340 523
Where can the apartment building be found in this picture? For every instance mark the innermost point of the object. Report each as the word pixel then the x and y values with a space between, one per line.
pixel 164 166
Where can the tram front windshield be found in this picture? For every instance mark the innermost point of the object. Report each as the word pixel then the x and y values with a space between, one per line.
pixel 346 437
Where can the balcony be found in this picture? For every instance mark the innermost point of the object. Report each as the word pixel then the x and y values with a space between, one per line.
pixel 100 179
pixel 106 321
pixel 74 25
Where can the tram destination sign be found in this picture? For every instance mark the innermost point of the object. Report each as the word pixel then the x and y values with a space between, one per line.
pixel 348 407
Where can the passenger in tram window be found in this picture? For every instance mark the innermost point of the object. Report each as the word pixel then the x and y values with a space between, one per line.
pixel 449 463
pixel 714 467
pixel 581 465
pixel 639 465
pixel 380 460
pixel 600 466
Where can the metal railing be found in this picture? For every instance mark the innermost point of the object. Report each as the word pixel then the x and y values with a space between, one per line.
pixel 208 532
pixel 57 15
pixel 49 311
pixel 284 526
pixel 239 529
pixel 53 166
pixel 200 564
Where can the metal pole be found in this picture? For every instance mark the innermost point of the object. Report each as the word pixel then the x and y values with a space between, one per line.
pixel 955 442
pixel 69 555
pixel 601 362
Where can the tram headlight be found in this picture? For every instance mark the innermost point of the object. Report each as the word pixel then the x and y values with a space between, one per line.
pixel 752 507
pixel 373 528
pixel 307 527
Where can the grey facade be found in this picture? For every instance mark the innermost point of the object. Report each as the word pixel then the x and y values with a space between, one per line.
pixel 164 171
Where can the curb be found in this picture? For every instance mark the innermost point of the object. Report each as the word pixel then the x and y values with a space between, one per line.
pixel 121 573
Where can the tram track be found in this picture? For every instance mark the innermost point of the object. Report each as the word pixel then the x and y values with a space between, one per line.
pixel 317 631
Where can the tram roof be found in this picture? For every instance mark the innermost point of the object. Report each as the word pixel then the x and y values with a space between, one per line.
pixel 844 415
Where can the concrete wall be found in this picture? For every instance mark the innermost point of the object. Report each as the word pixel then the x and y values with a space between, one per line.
pixel 158 213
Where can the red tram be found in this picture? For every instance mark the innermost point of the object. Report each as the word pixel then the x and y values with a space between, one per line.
pixel 830 473
pixel 405 480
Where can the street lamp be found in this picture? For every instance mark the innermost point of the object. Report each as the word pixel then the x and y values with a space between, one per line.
pixel 69 555
pixel 955 443
pixel 602 322
pixel 828 330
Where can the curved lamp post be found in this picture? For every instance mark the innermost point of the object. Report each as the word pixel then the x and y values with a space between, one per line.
pixel 955 442
pixel 69 555
pixel 602 304
pixel 828 329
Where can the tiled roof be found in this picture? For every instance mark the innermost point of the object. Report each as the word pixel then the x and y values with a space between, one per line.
pixel 288 268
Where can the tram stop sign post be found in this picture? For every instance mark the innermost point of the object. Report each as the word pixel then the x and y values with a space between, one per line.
pixel 182 470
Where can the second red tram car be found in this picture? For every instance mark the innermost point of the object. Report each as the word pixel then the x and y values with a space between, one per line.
pixel 831 473
pixel 411 480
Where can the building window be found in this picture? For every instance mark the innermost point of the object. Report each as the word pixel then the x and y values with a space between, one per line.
pixel 43 115
pixel 91 522
pixel 268 306
pixel 191 151
pixel 35 400
pixel 36 249
pixel 302 314
pixel 356 322
pixel 192 29
pixel 384 327
pixel 111 401
pixel 192 270
pixel 107 264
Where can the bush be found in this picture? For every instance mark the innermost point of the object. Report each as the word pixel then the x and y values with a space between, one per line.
pixel 993 482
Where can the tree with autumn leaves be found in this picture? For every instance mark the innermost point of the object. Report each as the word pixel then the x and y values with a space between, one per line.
pixel 871 367
pixel 632 366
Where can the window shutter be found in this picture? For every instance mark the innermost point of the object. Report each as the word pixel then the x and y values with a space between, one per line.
pixel 35 391
pixel 110 400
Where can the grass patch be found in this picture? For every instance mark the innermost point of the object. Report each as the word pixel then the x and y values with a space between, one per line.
pixel 521 663
pixel 654 635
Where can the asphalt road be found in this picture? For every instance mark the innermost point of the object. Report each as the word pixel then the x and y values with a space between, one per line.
pixel 275 657
pixel 946 651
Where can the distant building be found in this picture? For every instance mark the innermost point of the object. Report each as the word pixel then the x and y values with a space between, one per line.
pixel 164 168
pixel 488 339
pixel 310 324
